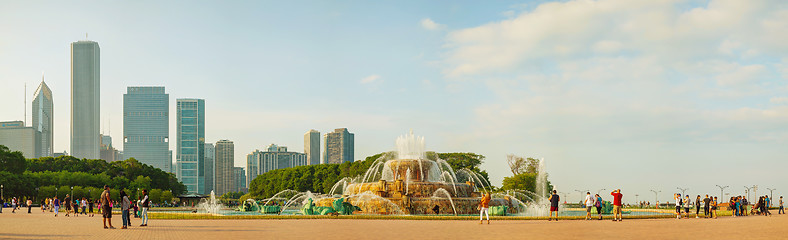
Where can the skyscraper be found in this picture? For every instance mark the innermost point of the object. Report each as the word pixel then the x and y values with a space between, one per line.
pixel 276 157
pixel 239 179
pixel 225 155
pixel 43 110
pixel 106 151
pixel 210 168
pixel 146 126
pixel 312 147
pixel 190 157
pixel 85 86
pixel 339 146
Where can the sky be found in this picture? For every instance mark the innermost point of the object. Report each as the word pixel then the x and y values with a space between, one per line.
pixel 637 95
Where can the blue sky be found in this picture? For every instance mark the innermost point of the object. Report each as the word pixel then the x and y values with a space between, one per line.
pixel 632 94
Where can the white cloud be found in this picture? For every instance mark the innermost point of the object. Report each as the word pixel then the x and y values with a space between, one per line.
pixel 661 29
pixel 779 100
pixel 371 79
pixel 738 75
pixel 431 25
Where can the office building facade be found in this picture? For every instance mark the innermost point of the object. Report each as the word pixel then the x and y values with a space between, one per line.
pixel 339 146
pixel 190 155
pixel 43 112
pixel 275 157
pixel 17 137
pixel 146 126
pixel 312 147
pixel 239 179
pixel 225 160
pixel 85 95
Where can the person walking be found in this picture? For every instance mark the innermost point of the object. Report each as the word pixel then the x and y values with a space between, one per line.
pixel 44 205
pixel 617 196
pixel 554 199
pixel 29 206
pixel 589 201
pixel 781 210
pixel 598 203
pixel 2 205
pixel 768 205
pixel 484 207
pixel 706 206
pixel 146 205
pixel 697 207
pixel 125 204
pixel 67 203
pixel 106 210
pixel 56 205
pixel 13 205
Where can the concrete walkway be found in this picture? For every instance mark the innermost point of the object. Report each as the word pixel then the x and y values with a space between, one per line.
pixel 44 226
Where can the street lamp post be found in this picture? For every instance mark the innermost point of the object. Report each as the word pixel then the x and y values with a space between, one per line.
pixel 721 190
pixel 771 194
pixel 755 190
pixel 581 194
pixel 656 196
pixel 636 199
pixel 600 190
pixel 683 190
pixel 1 193
pixel 747 191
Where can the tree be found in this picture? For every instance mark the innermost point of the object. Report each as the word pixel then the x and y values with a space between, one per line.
pixel 166 196
pixel 13 162
pixel 517 164
pixel 155 195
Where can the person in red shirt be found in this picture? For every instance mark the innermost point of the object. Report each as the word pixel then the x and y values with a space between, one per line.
pixel 617 204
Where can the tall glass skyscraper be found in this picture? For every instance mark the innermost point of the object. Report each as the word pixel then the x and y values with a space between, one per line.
pixel 210 168
pixel 85 79
pixel 190 157
pixel 146 126
pixel 42 118
pixel 312 147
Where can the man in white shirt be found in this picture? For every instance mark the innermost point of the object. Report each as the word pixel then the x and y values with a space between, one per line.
pixel 590 201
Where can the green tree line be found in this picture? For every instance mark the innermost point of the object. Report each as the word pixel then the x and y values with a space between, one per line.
pixel 20 177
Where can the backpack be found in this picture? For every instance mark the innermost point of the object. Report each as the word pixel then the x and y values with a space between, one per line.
pixel 681 202
pixel 598 203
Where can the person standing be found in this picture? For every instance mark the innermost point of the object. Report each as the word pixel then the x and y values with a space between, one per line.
pixel 697 207
pixel 781 210
pixel 90 208
pixel 745 206
pixel 2 205
pixel 106 210
pixel 617 196
pixel 554 199
pixel 598 204
pixel 714 208
pixel 589 204
pixel 29 206
pixel 678 200
pixel 706 206
pixel 44 205
pixel 56 205
pixel 146 205
pixel 484 206
pixel 125 204
pixel 687 205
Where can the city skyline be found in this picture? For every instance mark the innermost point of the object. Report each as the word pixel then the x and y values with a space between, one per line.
pixel 603 88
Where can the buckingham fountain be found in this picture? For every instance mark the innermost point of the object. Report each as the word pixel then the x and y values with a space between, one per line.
pixel 412 181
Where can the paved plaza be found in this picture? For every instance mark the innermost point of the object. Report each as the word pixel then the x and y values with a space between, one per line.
pixel 44 226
